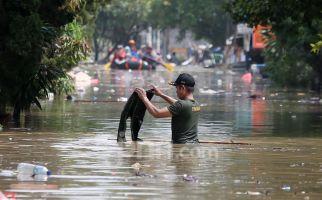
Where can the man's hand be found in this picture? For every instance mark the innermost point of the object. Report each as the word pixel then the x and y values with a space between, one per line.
pixel 153 110
pixel 141 93
pixel 157 91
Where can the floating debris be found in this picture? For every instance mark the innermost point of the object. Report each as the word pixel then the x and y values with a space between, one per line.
pixel 122 99
pixel 286 188
pixel 207 91
pixel 190 178
pixel 96 89
pixel 7 173
pixel 254 96
pixel 20 129
pixel 219 82
pixel 110 91
pixel 237 181
pixel 253 193
pixel 137 167
pixel 137 170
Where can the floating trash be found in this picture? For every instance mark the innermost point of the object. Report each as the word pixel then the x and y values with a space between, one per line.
pixel 7 173
pixel 110 91
pixel 286 188
pixel 219 82
pixel 207 91
pixel 190 178
pixel 32 170
pixel 7 196
pixel 137 167
pixel 122 99
pixel 237 181
pixel 253 193
pixel 96 89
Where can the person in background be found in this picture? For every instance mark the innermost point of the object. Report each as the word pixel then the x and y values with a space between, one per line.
pixel 134 50
pixel 174 58
pixel 120 54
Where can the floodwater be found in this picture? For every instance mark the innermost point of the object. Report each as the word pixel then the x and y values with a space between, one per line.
pixel 76 140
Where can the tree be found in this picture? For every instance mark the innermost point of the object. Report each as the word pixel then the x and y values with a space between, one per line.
pixel 118 22
pixel 296 25
pixel 317 46
pixel 207 19
pixel 39 41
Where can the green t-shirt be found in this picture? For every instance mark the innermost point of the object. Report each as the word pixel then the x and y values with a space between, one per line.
pixel 184 122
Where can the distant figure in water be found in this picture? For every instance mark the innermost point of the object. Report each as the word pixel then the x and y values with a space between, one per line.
pixel 247 77
pixel 184 112
pixel 69 97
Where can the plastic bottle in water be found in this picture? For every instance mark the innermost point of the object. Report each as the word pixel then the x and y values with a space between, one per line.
pixel 32 170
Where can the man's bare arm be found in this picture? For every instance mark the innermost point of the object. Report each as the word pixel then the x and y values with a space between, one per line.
pixel 156 112
pixel 153 110
pixel 168 99
pixel 159 93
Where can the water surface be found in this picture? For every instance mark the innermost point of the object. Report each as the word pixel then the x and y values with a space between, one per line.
pixel 76 141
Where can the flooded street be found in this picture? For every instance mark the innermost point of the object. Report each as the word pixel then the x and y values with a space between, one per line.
pixel 76 140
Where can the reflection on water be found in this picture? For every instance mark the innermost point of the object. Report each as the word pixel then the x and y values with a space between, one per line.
pixel 76 141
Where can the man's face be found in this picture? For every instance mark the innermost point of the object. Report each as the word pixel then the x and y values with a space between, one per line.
pixel 180 90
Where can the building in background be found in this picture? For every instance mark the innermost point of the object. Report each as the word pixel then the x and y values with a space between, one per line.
pixel 245 48
pixel 166 42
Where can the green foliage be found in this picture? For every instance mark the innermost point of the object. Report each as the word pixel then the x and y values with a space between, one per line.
pixel 205 18
pixel 317 46
pixel 286 70
pixel 296 25
pixel 64 85
pixel 36 87
pixel 39 40
pixel 120 21
pixel 68 49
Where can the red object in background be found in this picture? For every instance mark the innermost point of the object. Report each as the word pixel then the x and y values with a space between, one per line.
pixel 258 39
pixel 247 77
pixel 95 82
pixel 8 195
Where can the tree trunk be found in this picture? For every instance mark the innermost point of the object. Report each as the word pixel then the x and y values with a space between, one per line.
pixel 317 76
pixel 16 112
pixel 96 47
pixel 2 109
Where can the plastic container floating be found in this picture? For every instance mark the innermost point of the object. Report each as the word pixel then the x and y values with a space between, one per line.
pixel 32 170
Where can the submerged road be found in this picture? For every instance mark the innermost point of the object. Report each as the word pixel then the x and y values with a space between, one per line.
pixel 76 141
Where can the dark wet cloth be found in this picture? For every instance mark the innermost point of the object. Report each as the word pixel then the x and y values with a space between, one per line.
pixel 135 109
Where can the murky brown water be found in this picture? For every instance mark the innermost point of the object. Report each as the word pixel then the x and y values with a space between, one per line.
pixel 76 141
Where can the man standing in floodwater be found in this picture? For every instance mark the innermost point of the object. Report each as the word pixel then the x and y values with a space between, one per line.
pixel 184 112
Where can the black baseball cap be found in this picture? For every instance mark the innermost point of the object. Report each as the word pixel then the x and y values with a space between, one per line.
pixel 184 79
